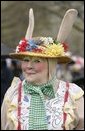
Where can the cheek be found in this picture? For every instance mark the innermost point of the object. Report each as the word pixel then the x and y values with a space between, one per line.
pixel 40 67
pixel 23 66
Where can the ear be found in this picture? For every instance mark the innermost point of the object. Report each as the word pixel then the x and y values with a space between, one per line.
pixel 66 24
pixel 31 25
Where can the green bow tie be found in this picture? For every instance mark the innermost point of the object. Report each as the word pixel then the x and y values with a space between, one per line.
pixel 37 113
pixel 46 90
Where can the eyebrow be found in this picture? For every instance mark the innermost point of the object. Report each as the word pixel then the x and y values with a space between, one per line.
pixel 31 57
pixel 27 58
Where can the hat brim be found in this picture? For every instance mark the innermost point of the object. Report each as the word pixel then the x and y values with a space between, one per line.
pixel 21 55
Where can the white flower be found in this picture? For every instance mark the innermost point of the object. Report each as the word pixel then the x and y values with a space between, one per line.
pixel 17 49
pixel 50 40
pixel 20 42
pixel 46 40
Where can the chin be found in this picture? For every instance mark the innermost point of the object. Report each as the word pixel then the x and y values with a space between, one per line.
pixel 30 79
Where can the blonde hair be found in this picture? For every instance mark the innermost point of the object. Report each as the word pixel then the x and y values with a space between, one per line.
pixel 52 63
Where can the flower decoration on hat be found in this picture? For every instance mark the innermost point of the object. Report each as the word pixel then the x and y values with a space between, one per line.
pixel 22 45
pixel 44 45
pixel 46 40
pixel 27 45
pixel 66 47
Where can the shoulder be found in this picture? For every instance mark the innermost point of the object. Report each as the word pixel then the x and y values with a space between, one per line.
pixel 12 90
pixel 75 91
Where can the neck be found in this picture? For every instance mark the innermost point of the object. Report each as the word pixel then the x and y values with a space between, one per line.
pixel 52 81
pixel 40 82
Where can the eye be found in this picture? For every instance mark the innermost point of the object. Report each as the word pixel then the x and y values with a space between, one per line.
pixel 37 61
pixel 27 60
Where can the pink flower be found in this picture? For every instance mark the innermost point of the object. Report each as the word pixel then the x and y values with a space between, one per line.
pixel 66 47
pixel 22 45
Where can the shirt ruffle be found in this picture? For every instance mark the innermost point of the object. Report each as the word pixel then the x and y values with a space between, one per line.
pixel 75 91
pixel 11 102
pixel 70 108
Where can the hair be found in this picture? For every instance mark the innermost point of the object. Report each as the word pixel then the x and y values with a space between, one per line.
pixel 52 63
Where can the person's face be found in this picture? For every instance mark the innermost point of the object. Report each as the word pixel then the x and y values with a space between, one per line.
pixel 35 70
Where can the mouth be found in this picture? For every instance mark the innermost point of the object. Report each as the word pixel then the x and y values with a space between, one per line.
pixel 30 73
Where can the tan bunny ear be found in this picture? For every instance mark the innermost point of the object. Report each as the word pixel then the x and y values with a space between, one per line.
pixel 66 24
pixel 31 25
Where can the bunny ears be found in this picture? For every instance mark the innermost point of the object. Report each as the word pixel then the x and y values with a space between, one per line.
pixel 66 24
pixel 31 25
pixel 65 27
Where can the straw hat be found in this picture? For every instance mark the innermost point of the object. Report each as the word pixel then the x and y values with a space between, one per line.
pixel 46 47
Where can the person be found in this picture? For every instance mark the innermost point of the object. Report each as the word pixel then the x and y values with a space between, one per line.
pixel 41 101
pixel 16 69
pixel 6 78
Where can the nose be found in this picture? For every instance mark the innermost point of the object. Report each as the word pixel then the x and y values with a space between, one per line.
pixel 30 65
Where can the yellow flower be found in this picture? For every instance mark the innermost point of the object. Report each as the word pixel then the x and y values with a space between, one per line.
pixel 54 50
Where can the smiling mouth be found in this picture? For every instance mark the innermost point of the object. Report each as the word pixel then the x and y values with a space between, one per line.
pixel 30 73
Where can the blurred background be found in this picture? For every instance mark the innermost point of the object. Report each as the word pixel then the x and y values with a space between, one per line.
pixel 48 16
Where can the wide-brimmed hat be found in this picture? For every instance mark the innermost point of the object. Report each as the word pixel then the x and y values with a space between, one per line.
pixel 46 47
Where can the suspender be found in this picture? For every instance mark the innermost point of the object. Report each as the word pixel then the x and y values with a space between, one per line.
pixel 19 106
pixel 65 100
